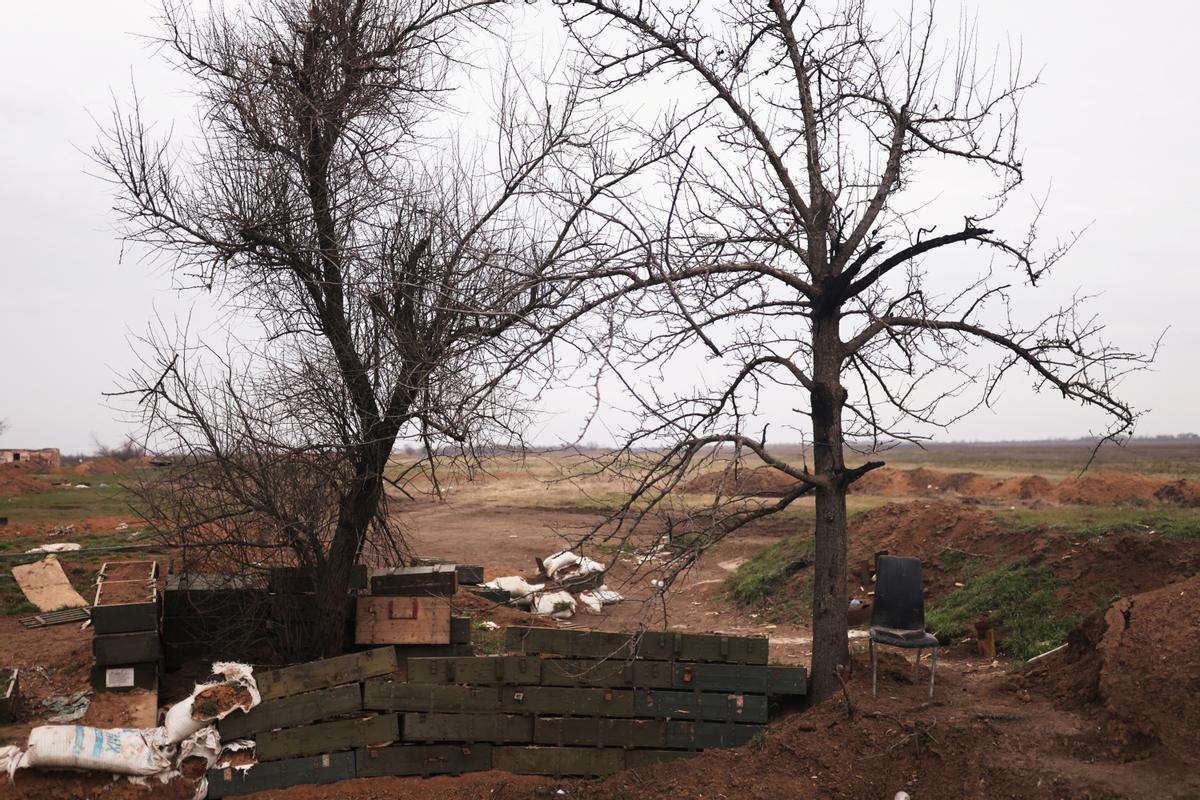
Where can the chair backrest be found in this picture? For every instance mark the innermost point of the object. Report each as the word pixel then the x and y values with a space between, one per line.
pixel 899 594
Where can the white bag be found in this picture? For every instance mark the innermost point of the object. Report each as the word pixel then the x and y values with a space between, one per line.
pixel 559 605
pixel 520 589
pixel 125 751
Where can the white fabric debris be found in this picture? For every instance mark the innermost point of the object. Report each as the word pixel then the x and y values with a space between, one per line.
pixel 560 605
pixel 522 591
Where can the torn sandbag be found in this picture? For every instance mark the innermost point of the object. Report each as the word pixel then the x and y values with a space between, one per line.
pixel 521 590
pixel 596 599
pixel 590 603
pixel 560 605
pixel 212 701
pixel 572 571
pixel 124 751
pixel 607 596
pixel 46 585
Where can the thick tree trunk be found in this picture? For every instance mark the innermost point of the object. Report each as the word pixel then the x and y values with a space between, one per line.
pixel 830 602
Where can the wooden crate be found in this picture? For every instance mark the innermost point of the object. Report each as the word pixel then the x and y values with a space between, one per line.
pixel 382 695
pixel 648 645
pixel 124 677
pixel 126 648
pixel 288 712
pixel 600 732
pixel 322 674
pixel 460 630
pixel 200 595
pixel 326 737
pixel 568 700
pixel 438 580
pixel 10 694
pixel 402 620
pixel 746 679
pixel 787 680
pixel 715 706
pixel 438 759
pixel 610 673
pixel 575 644
pixel 302 580
pixel 704 735
pixel 126 597
pixel 486 670
pixel 326 768
pixel 636 759
pixel 558 760
pixel 436 727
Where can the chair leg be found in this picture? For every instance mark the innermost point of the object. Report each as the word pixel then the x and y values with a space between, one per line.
pixel 874 690
pixel 933 673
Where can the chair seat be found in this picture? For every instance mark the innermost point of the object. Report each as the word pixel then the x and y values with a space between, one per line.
pixel 899 638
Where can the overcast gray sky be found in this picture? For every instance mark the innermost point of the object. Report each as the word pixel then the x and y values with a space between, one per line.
pixel 1113 126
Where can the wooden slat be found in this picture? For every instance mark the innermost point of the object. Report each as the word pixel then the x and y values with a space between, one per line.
pixel 439 580
pixel 600 732
pixel 402 620
pixel 648 645
pixel 716 706
pixel 437 759
pixel 500 728
pixel 787 680
pixel 126 648
pixel 610 673
pixel 314 675
pixel 57 617
pixel 705 735
pixel 381 695
pixel 486 670
pixel 288 712
pixel 327 768
pixel 747 679
pixel 637 759
pixel 579 701
pixel 460 630
pixel 326 737
pixel 558 760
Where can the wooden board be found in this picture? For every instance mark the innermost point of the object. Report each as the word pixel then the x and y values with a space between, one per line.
pixel 746 679
pixel 301 580
pixel 500 728
pixel 600 732
pixel 636 759
pixel 10 694
pixel 124 677
pixel 460 630
pixel 438 580
pixel 326 737
pixel 126 648
pixel 438 759
pixel 704 735
pixel 46 585
pixel 406 651
pixel 469 574
pixel 486 670
pixel 212 594
pixel 350 668
pixel 610 673
pixel 648 645
pixel 565 701
pixel 381 695
pixel 402 620
pixel 327 768
pixel 787 680
pixel 715 706
pixel 498 596
pixel 125 617
pixel 288 712
pixel 558 760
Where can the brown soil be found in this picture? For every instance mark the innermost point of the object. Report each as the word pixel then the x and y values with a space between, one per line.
pixel 31 785
pixel 18 479
pixel 128 570
pixel 134 708
pixel 217 700
pixel 1093 488
pixel 103 466
pixel 115 593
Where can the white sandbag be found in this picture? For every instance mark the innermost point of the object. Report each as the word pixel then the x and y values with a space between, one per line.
pixel 563 558
pixel 590 603
pixel 606 595
pixel 521 590
pixel 180 723
pixel 125 751
pixel 559 605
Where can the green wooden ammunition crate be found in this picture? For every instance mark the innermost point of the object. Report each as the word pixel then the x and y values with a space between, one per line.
pixel 288 712
pixel 747 679
pixel 636 759
pixel 475 670
pixel 126 648
pixel 609 673
pixel 301 580
pixel 326 768
pixel 715 706
pixel 201 594
pixel 381 695
pixel 558 760
pixel 469 574
pixel 600 732
pixel 407 651
pixel 10 694
pixel 439 580
pixel 568 701
pixel 650 645
pixel 124 677
pixel 421 727
pixel 326 737
pixel 416 759
pixel 492 595
pixel 787 680
pixel 322 674
pixel 703 735
pixel 460 630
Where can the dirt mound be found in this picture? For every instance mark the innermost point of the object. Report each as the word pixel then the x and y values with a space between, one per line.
pixel 1029 487
pixel 103 465
pixel 1108 486
pixel 1182 492
pixel 1135 664
pixel 19 479
pixel 757 482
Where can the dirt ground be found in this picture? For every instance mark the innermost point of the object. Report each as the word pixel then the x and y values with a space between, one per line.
pixel 1115 715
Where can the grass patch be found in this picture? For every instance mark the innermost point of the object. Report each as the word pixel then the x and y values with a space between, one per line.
pixel 65 505
pixel 1180 524
pixel 1018 597
pixel 760 578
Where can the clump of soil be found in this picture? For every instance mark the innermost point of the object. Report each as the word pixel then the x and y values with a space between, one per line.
pixel 1135 665
pixel 113 593
pixel 17 478
pixel 216 700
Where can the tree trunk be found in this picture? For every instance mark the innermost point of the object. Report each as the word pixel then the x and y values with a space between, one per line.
pixel 830 602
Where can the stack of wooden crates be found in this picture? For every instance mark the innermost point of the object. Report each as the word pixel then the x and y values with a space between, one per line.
pixel 410 607
pixel 126 646
pixel 561 702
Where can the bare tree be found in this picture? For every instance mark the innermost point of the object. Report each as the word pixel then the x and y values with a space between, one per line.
pixel 793 245
pixel 396 282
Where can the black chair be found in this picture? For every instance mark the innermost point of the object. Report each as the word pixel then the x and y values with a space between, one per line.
pixel 898 614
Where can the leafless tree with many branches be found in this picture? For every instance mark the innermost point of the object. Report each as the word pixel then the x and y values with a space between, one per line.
pixel 792 245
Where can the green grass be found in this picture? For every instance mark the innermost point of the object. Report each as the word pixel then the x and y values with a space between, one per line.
pixel 761 578
pixel 1181 524
pixel 64 505
pixel 1018 597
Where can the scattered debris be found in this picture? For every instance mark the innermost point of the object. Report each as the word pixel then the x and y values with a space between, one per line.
pixel 57 618
pixel 58 547
pixel 67 708
pixel 519 589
